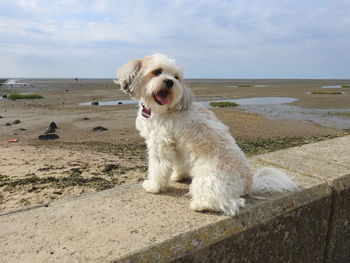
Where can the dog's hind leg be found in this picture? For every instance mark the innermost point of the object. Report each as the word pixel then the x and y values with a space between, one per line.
pixel 212 192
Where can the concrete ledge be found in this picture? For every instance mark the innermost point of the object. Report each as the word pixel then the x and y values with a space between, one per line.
pixel 297 234
pixel 271 231
pixel 128 225
pixel 327 161
pixel 338 245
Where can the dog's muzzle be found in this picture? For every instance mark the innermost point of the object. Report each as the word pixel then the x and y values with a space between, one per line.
pixel 161 97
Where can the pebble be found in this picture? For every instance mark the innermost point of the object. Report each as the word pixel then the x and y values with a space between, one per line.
pixel 99 129
pixel 51 136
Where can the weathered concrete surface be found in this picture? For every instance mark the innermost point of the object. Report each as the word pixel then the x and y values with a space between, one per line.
pixel 327 161
pixel 99 227
pixel 294 235
pixel 114 224
pixel 128 225
pixel 338 245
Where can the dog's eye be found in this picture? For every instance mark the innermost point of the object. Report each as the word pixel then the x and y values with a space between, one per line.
pixel 177 77
pixel 157 72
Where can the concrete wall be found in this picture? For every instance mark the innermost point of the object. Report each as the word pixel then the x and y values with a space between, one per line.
pixel 129 225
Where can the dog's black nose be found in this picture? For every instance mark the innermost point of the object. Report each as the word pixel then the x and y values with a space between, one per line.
pixel 168 83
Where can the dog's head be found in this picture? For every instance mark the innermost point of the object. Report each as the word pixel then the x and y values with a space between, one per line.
pixel 157 82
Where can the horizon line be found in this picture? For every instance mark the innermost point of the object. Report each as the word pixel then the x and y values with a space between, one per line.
pixel 189 78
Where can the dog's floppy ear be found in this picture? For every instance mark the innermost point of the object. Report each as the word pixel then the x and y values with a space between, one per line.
pixel 128 76
pixel 187 98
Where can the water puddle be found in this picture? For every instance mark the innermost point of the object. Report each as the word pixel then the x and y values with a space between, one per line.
pixel 273 107
pixel 245 101
pixel 277 107
pixel 332 87
pixel 14 83
pixel 326 93
pixel 256 101
pixel 248 86
pixel 332 118
pixel 108 103
pixel 262 86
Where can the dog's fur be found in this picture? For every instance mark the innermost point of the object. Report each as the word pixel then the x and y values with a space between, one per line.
pixel 185 139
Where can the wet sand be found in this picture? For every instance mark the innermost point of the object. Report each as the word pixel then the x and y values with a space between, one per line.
pixel 34 172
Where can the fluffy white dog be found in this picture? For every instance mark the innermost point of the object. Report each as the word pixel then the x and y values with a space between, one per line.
pixel 185 139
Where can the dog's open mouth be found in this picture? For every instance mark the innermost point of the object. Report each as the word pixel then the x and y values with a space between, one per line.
pixel 161 97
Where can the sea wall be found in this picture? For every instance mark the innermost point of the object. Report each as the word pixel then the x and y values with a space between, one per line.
pixel 128 225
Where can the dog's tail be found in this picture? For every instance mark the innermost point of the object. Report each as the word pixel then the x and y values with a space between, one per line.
pixel 272 180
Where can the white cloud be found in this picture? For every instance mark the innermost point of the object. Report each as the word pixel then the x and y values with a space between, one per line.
pixel 225 34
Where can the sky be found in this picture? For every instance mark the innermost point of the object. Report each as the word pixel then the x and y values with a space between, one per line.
pixel 207 38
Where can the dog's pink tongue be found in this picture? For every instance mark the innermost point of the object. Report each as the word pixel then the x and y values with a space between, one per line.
pixel 161 99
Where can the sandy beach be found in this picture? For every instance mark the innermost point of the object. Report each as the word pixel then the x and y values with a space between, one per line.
pixel 34 172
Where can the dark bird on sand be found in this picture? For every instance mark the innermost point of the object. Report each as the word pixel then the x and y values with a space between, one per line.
pixel 52 128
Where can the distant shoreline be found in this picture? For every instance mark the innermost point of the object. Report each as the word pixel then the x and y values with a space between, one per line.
pixel 187 79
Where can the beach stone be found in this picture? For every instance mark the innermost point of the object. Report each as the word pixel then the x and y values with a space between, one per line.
pixel 120 102
pixel 86 119
pixel 99 129
pixel 8 124
pixel 51 136
pixel 94 103
pixel 0 117
pixel 16 122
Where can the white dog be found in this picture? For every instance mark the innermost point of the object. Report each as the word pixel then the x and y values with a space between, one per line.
pixel 185 139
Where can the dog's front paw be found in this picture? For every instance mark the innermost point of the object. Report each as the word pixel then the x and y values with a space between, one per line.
pixel 151 187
